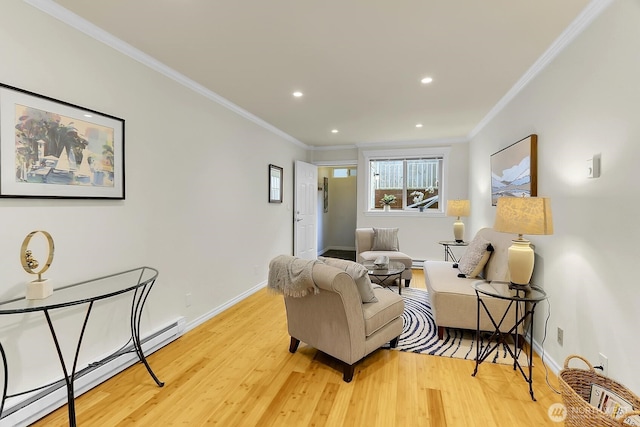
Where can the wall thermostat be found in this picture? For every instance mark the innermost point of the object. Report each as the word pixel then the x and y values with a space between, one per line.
pixel 593 167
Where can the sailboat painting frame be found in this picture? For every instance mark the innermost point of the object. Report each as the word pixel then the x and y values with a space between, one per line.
pixel 53 149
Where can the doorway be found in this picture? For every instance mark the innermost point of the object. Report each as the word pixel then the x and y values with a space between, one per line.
pixel 337 210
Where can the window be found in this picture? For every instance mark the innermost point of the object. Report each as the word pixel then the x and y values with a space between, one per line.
pixel 344 172
pixel 415 179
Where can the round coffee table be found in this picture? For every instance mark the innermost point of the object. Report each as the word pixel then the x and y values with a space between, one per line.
pixel 386 276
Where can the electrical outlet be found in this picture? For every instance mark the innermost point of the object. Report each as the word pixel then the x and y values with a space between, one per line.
pixel 560 335
pixel 187 300
pixel 604 362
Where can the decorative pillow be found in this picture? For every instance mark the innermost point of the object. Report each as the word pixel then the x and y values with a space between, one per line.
pixel 385 239
pixel 359 274
pixel 476 256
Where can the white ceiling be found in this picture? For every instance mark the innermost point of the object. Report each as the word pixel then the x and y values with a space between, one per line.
pixel 358 62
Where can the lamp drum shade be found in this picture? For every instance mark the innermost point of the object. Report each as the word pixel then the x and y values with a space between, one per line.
pixel 458 208
pixel 523 215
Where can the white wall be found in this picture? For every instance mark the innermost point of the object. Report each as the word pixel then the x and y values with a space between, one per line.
pixel 196 206
pixel 419 235
pixel 585 102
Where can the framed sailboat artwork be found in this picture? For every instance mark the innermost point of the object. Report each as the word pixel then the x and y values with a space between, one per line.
pixel 54 149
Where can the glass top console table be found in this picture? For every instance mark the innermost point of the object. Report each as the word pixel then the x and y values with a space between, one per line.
pixel 138 282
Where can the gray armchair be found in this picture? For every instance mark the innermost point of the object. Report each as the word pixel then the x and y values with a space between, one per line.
pixel 369 247
pixel 338 323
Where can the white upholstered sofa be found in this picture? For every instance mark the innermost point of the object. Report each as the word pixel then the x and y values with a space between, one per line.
pixel 453 299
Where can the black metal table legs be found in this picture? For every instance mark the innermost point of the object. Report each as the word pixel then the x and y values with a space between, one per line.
pixel 139 298
pixel 497 337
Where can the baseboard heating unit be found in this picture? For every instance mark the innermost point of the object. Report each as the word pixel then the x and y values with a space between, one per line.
pixel 417 263
pixel 26 409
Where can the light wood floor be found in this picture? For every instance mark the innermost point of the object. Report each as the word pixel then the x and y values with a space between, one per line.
pixel 236 370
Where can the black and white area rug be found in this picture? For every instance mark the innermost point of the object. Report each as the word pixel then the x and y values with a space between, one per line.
pixel 420 334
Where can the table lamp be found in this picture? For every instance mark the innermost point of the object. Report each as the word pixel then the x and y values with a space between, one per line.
pixel 523 215
pixel 458 208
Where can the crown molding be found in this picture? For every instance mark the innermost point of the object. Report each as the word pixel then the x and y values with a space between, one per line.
pixel 337 163
pixel 416 142
pixel 582 21
pixel 401 143
pixel 71 19
pixel 332 147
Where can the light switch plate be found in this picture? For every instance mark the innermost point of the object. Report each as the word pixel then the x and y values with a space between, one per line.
pixel 593 167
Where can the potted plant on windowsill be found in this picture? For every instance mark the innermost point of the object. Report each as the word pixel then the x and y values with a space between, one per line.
pixel 386 201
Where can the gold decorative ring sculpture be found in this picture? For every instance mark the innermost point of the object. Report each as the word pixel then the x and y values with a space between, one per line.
pixel 29 263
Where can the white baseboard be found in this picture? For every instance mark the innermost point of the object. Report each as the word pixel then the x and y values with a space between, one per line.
pixel 209 315
pixel 25 410
pixel 546 359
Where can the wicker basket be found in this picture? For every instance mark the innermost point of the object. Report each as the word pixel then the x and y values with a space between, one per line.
pixel 575 385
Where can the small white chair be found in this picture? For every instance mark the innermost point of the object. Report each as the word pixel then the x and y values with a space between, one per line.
pixel 372 243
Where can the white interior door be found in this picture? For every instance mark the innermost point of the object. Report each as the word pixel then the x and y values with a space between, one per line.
pixel 305 211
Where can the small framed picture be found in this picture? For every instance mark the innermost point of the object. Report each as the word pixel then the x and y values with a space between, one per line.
pixel 275 184
pixel 325 194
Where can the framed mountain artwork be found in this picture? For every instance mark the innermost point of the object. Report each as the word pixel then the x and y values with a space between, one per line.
pixel 514 170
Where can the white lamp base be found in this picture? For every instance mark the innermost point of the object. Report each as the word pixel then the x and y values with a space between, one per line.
pixel 39 289
pixel 521 260
pixel 458 230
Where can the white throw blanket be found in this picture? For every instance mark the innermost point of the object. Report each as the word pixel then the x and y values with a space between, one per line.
pixel 291 276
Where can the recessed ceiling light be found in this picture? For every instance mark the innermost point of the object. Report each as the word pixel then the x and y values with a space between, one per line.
pixel 426 80
pixel 419 125
pixel 297 94
pixel 334 130
pixel 88 115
